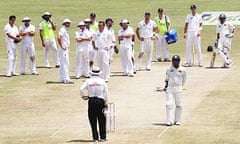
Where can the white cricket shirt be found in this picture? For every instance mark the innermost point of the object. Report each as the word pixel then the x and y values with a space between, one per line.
pixel 126 42
pixel 147 29
pixel 8 29
pixel 193 22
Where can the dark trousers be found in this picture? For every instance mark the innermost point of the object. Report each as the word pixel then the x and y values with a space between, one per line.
pixel 95 113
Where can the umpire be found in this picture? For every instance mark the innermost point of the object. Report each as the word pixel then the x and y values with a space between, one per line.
pixel 97 103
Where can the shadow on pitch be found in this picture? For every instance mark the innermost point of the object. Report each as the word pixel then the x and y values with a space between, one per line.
pixel 57 82
pixel 83 141
pixel 159 124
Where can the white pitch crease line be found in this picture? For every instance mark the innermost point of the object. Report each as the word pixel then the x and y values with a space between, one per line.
pixel 54 134
pixel 163 131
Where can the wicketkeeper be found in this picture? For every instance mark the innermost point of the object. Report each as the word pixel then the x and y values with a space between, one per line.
pixel 225 32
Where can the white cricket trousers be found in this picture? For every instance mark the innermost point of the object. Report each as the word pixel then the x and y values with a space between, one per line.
pixel 103 63
pixel 162 48
pixel 28 49
pixel 64 65
pixel 82 62
pixel 174 97
pixel 224 48
pixel 12 57
pixel 126 58
pixel 146 45
pixel 50 44
pixel 193 40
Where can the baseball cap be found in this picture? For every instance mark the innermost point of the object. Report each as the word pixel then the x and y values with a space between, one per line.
pixel 160 10
pixel 81 24
pixel 193 6
pixel 92 15
pixel 147 14
pixel 26 19
pixel 66 21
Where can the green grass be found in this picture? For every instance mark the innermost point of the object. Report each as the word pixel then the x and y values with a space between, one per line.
pixel 215 120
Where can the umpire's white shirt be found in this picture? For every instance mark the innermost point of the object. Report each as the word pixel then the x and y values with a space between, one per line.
pixel 65 41
pixel 96 87
pixel 126 42
pixel 8 29
pixel 176 78
pixel 193 22
pixel 27 38
pixel 147 29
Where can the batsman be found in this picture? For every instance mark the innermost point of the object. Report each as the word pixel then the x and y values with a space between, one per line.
pixel 225 32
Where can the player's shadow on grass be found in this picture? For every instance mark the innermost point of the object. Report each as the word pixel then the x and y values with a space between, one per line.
pixel 159 124
pixel 75 141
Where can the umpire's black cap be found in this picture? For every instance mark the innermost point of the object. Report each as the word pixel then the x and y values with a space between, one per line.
pixel 193 6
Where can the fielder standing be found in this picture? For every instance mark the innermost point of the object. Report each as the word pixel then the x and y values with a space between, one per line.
pixel 102 42
pixel 164 25
pixel 125 35
pixel 47 28
pixel 27 31
pixel 83 39
pixel 147 36
pixel 94 23
pixel 225 32
pixel 192 33
pixel 97 103
pixel 12 38
pixel 64 43
pixel 175 79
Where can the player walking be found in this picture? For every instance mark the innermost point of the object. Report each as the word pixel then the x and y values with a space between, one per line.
pixel 64 43
pixel 175 79
pixel 47 28
pixel 12 38
pixel 102 42
pixel 97 103
pixel 27 31
pixel 148 29
pixel 83 39
pixel 164 25
pixel 225 32
pixel 125 35
pixel 192 33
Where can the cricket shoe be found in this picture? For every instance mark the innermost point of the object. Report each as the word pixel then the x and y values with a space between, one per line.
pixel 177 123
pixel 169 123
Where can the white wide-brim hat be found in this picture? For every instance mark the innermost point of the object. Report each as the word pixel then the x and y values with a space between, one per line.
pixel 81 24
pixel 87 20
pixel 66 21
pixel 96 71
pixel 124 21
pixel 26 19
pixel 47 14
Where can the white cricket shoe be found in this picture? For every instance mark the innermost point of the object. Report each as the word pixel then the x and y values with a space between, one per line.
pixel 177 123
pixel 169 123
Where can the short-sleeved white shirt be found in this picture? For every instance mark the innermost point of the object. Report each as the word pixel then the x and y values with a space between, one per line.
pixel 82 34
pixel 8 29
pixel 65 41
pixel 193 22
pixel 127 42
pixel 102 39
pixel 112 33
pixel 147 29
pixel 27 38
pixel 225 28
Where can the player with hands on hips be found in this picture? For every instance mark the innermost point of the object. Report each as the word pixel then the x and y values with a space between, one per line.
pixel 175 80
pixel 147 27
pixel 97 103
pixel 225 32
pixel 12 39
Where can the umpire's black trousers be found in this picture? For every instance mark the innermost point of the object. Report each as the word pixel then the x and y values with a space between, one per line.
pixel 95 113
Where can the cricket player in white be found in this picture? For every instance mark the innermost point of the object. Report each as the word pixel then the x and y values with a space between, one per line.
pixel 47 28
pixel 148 28
pixel 164 25
pixel 92 51
pixel 225 32
pixel 101 42
pixel 192 33
pixel 64 43
pixel 12 38
pixel 27 31
pixel 175 80
pixel 83 39
pixel 125 35
pixel 109 28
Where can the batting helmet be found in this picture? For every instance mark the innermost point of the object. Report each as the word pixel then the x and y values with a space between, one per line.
pixel 176 58
pixel 209 48
pixel 222 16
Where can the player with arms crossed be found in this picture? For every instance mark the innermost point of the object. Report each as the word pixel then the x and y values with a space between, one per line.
pixel 225 32
pixel 175 79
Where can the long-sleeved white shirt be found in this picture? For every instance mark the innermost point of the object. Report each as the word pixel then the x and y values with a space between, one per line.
pixel 96 87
